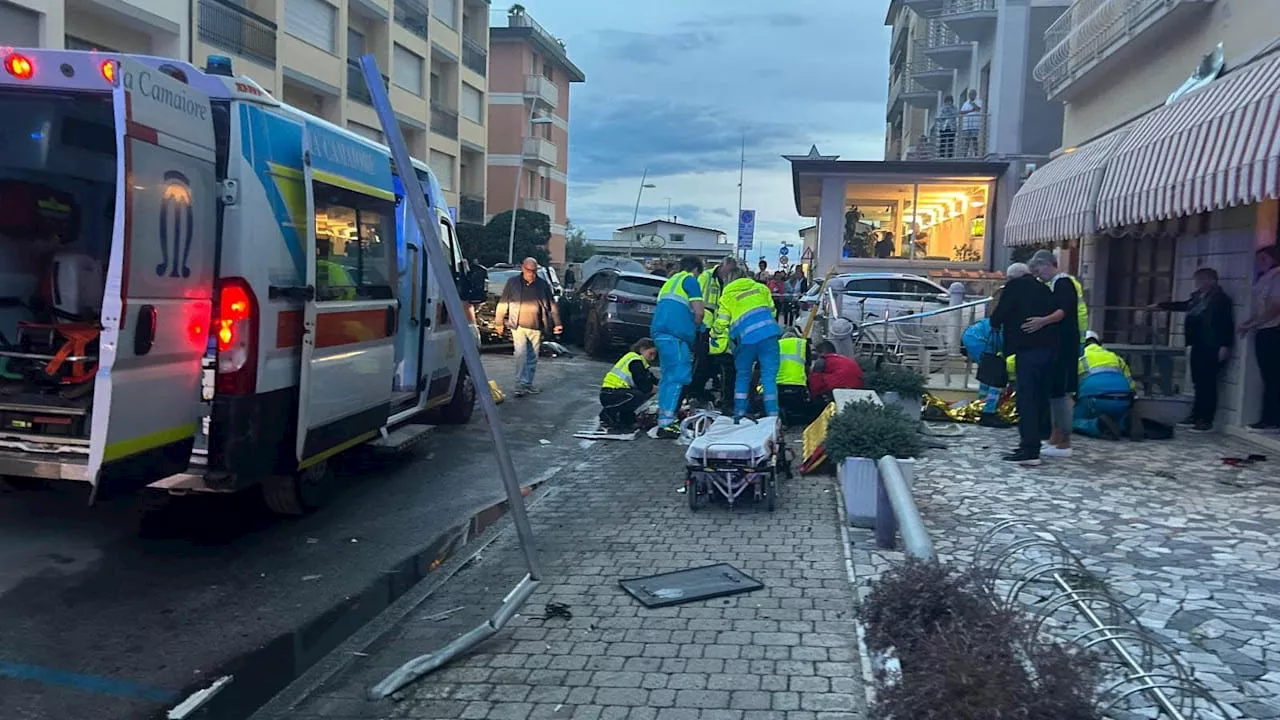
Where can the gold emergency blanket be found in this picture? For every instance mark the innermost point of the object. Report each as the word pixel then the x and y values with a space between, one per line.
pixel 966 412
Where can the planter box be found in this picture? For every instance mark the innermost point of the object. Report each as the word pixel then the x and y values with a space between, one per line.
pixel 859 479
pixel 911 408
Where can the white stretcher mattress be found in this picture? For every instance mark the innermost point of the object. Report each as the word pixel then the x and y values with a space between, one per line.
pixel 750 441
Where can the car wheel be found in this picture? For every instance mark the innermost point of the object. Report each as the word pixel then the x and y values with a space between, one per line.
pixel 593 340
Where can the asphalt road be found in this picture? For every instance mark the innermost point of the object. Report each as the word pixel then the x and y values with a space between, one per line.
pixel 100 621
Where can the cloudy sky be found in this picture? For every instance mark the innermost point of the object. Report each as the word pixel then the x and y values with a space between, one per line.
pixel 673 84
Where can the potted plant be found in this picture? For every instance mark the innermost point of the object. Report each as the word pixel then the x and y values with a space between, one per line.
pixel 897 385
pixel 857 437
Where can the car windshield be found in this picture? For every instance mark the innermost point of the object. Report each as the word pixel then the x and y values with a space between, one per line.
pixel 502 276
pixel 644 287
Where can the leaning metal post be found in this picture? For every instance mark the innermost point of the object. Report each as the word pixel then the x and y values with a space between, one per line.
pixel 428 229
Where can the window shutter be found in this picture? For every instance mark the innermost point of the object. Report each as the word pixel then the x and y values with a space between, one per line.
pixel 407 70
pixel 442 166
pixel 472 104
pixel 312 21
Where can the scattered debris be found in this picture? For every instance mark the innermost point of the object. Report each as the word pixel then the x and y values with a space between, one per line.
pixel 198 699
pixel 306 578
pixel 312 541
pixel 683 586
pixel 557 610
pixel 544 441
pixel 444 615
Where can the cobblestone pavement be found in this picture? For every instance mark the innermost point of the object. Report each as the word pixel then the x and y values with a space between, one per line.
pixel 1186 541
pixel 786 652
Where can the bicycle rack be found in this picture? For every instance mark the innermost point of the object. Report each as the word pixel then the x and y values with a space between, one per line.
pixel 1024 566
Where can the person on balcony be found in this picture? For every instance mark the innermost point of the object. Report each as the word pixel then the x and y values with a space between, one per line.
pixel 1106 392
pixel 945 127
pixel 972 115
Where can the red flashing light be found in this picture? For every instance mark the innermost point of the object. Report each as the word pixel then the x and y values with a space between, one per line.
pixel 235 330
pixel 19 66
pixel 109 71
pixel 233 307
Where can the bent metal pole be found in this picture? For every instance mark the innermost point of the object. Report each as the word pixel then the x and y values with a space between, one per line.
pixel 429 230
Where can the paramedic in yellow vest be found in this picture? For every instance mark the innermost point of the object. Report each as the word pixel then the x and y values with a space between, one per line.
pixel 747 310
pixel 709 355
pixel 1066 321
pixel 677 320
pixel 333 282
pixel 626 387
pixel 1106 394
pixel 793 380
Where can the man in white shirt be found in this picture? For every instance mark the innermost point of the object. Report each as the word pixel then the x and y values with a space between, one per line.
pixel 971 125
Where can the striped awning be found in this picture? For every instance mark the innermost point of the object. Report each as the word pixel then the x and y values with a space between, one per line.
pixel 1057 201
pixel 1217 147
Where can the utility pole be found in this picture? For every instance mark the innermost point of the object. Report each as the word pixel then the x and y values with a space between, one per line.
pixel 742 170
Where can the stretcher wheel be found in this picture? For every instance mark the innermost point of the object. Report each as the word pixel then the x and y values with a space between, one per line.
pixel 691 490
pixel 771 490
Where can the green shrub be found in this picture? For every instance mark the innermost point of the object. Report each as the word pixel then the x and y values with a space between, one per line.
pixel 889 377
pixel 963 658
pixel 868 430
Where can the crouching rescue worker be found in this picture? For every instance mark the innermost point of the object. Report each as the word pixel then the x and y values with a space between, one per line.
pixel 793 382
pixel 675 324
pixel 627 386
pixel 831 371
pixel 1105 394
pixel 746 309
pixel 979 339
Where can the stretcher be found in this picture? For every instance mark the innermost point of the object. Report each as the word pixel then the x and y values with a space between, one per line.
pixel 730 462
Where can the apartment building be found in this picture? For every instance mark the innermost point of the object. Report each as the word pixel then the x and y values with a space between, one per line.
pixel 151 27
pixel 530 74
pixel 1167 165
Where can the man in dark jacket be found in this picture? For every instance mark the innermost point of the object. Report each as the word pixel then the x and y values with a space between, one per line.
pixel 1209 331
pixel 1025 297
pixel 528 305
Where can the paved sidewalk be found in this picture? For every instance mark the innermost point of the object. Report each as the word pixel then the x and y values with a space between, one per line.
pixel 787 652
pixel 1189 543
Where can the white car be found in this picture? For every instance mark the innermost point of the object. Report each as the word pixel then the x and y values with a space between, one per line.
pixel 867 297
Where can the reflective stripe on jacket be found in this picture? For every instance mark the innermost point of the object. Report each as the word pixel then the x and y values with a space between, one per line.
pixel 619 377
pixel 747 309
pixel 1097 359
pixel 791 366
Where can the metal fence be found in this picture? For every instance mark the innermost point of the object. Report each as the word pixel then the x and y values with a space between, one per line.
pixel 474 55
pixel 444 120
pixel 226 25
pixel 960 138
pixel 412 15
pixel 471 209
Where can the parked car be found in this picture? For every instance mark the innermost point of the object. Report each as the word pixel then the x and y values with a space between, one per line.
pixel 610 309
pixel 865 297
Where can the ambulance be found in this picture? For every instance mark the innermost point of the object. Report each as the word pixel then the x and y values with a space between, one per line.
pixel 203 289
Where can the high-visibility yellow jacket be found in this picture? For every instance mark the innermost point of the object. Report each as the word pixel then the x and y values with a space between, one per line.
pixel 710 285
pixel 1097 359
pixel 1082 310
pixel 619 377
pixel 792 369
pixel 746 311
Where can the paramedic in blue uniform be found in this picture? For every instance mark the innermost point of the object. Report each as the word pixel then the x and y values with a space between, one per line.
pixel 746 308
pixel 675 326
pixel 1106 392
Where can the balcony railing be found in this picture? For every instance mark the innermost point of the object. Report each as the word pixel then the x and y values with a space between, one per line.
pixel 356 88
pixel 940 35
pixel 546 207
pixel 522 19
pixel 960 7
pixel 444 120
pixel 1091 30
pixel 230 27
pixel 412 15
pixel 540 150
pixel 542 89
pixel 474 55
pixel 471 209
pixel 963 138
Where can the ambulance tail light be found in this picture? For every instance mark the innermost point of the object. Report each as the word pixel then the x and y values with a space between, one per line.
pixel 235 328
pixel 19 66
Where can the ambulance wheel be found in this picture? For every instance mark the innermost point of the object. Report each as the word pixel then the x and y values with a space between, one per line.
pixel 300 493
pixel 462 405
pixel 593 340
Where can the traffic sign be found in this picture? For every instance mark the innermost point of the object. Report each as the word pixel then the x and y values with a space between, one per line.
pixel 782 260
pixel 784 250
pixel 746 229
pixel 806 255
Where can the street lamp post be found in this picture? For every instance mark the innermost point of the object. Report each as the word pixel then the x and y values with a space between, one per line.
pixel 515 204
pixel 631 236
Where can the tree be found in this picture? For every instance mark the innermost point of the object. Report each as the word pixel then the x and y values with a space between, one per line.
pixel 576 246
pixel 488 245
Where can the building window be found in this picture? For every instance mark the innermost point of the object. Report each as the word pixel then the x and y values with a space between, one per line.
pixel 312 21
pixel 446 11
pixel 548 72
pixel 472 107
pixel 75 43
pixel 406 70
pixel 437 88
pixel 677 237
pixel 442 165
pixel 372 133
pixel 545 186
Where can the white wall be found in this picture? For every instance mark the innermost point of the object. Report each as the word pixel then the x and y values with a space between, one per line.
pixel 694 238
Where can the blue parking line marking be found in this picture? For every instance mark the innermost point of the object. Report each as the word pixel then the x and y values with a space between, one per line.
pixel 87 683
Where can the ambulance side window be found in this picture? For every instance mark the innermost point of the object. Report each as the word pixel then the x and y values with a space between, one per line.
pixel 355 246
